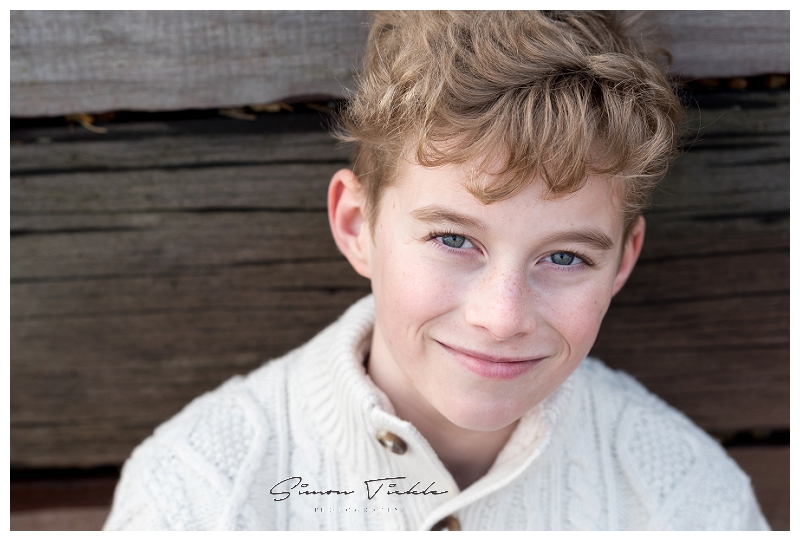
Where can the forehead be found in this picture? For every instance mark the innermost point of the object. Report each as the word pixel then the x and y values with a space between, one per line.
pixel 533 208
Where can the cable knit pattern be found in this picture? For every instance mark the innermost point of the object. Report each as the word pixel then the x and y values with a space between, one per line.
pixel 222 436
pixel 599 453
pixel 659 466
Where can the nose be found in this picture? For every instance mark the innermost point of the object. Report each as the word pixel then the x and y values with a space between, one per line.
pixel 501 304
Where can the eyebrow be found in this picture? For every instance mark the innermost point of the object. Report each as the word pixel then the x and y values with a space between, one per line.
pixel 437 214
pixel 590 237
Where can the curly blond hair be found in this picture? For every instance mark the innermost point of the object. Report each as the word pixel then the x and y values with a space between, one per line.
pixel 555 94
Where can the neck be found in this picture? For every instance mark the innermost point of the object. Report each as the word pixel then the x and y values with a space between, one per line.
pixel 467 454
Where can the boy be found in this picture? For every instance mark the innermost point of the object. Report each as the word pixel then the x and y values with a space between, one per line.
pixel 502 163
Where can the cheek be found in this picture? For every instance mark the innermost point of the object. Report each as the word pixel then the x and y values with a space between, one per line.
pixel 411 291
pixel 576 312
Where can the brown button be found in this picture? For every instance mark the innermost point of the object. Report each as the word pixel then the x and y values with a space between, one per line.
pixel 447 524
pixel 392 442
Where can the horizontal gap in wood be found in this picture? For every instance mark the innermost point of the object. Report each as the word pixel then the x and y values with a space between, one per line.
pixel 712 94
pixel 170 167
pixel 764 217
pixel 206 210
pixel 198 270
pixel 366 290
pixel 237 309
pixel 32 232
pixel 677 257
pixel 678 349
pixel 750 438
pixel 703 298
pixel 200 210
pixel 760 217
pixel 704 144
pixel 304 118
pixel 56 488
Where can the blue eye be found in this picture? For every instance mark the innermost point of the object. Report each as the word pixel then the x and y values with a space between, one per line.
pixel 453 241
pixel 563 258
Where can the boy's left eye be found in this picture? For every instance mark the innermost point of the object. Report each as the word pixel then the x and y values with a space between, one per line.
pixel 564 259
pixel 455 241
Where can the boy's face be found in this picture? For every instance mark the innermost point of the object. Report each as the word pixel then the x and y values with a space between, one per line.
pixel 484 310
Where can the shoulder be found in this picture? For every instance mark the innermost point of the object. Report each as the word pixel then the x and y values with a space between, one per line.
pixel 680 475
pixel 190 472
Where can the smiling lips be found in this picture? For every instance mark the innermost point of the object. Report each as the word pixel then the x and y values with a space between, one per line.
pixel 490 366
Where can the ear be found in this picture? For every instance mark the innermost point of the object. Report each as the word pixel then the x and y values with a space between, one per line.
pixel 632 249
pixel 346 216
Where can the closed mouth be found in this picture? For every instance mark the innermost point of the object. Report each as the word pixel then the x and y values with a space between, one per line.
pixel 492 366
pixel 488 357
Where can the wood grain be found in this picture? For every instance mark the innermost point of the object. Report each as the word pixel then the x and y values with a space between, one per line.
pixel 65 62
pixel 266 187
pixel 151 265
pixel 171 242
pixel 724 43
pixel 768 468
pixel 66 519
pixel 88 61
pixel 152 146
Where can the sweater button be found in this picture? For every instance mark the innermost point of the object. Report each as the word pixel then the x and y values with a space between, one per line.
pixel 392 442
pixel 449 523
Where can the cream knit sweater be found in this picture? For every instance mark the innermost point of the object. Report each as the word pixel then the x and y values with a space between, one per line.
pixel 599 453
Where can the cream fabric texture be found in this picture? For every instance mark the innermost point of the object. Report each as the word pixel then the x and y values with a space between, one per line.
pixel 600 453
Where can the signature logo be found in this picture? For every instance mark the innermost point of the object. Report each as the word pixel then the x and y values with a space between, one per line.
pixel 373 486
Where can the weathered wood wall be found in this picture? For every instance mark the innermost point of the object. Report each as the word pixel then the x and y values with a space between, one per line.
pixel 65 62
pixel 152 262
pixel 704 318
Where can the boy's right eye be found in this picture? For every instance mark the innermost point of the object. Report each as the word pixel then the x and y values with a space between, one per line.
pixel 453 241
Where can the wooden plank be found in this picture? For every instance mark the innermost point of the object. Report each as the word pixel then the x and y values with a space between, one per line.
pixel 291 318
pixel 88 61
pixel 231 288
pixel 768 468
pixel 705 323
pixel 672 237
pixel 724 43
pixel 265 187
pixel 65 62
pixel 714 115
pixel 173 242
pixel 147 145
pixel 712 275
pixel 69 519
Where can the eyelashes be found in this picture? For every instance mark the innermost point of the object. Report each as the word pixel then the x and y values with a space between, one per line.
pixel 452 242
pixel 461 245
